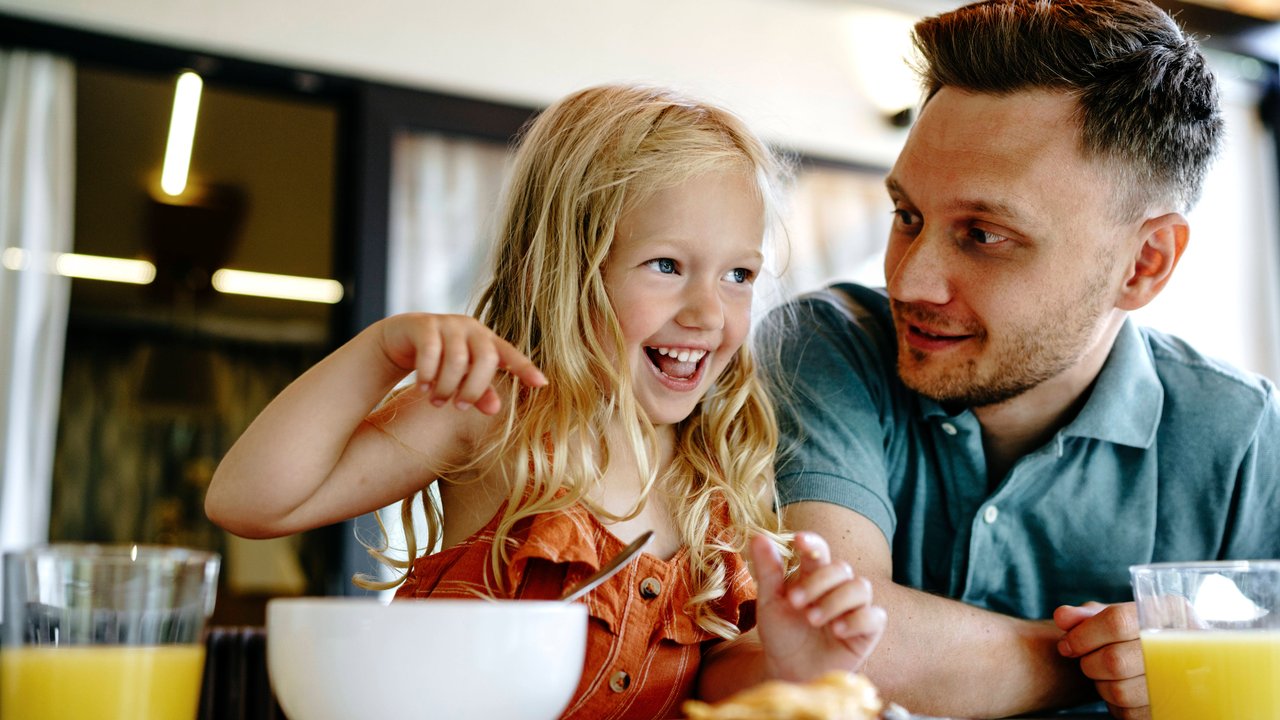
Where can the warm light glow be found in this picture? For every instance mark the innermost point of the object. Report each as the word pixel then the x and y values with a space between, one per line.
pixel 182 133
pixel 1263 9
pixel 879 47
pixel 94 267
pixel 284 287
pixel 14 258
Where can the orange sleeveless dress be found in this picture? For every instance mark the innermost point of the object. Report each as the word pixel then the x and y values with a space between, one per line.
pixel 643 649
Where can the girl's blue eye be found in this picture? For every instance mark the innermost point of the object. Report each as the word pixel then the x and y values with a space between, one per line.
pixel 739 275
pixel 667 266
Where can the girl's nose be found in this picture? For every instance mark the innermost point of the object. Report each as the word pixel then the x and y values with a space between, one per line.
pixel 703 308
pixel 917 271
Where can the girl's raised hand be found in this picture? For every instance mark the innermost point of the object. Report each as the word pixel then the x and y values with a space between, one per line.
pixel 456 358
pixel 819 619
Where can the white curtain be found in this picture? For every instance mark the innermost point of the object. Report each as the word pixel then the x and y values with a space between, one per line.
pixel 37 166
pixel 835 228
pixel 444 203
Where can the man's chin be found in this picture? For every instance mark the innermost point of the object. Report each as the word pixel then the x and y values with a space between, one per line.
pixel 953 392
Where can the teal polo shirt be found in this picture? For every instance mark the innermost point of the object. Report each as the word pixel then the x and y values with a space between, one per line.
pixel 1174 456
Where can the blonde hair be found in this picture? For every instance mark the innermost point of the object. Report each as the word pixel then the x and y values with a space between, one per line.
pixel 581 164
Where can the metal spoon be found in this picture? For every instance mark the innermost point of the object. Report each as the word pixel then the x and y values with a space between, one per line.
pixel 610 568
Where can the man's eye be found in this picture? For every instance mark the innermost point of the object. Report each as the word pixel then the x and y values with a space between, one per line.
pixel 905 218
pixel 667 266
pixel 739 275
pixel 982 237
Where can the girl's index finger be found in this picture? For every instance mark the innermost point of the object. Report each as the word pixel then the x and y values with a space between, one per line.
pixel 515 362
pixel 812 550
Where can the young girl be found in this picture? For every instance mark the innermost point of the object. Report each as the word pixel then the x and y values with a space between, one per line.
pixel 602 390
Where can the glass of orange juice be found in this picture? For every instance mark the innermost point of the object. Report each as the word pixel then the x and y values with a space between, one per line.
pixel 1210 634
pixel 109 632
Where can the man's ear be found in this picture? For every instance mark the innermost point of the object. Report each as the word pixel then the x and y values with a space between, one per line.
pixel 1162 239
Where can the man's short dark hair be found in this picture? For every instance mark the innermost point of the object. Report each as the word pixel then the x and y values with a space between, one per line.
pixel 1147 100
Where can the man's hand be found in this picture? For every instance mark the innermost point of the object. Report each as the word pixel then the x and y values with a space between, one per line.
pixel 1105 640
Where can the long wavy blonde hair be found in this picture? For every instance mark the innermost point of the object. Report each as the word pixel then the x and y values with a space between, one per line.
pixel 581 164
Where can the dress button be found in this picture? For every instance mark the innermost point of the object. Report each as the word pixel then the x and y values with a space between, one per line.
pixel 990 514
pixel 650 588
pixel 619 681
pixel 948 428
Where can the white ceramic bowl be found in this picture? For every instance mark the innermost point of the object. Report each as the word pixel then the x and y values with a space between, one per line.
pixel 346 658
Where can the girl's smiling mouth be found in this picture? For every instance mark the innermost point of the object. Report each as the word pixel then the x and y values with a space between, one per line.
pixel 678 368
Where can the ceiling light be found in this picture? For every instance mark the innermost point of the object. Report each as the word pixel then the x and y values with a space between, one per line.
pixel 14 258
pixel 284 287
pixel 94 267
pixel 182 132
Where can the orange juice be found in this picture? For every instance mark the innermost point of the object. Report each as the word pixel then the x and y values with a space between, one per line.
pixel 1206 675
pixel 101 682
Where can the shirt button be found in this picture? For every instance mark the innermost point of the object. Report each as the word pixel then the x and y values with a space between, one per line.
pixel 990 514
pixel 619 681
pixel 948 428
pixel 650 588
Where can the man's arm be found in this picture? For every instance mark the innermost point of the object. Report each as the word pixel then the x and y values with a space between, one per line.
pixel 940 656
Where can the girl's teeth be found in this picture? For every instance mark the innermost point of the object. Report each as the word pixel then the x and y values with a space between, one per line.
pixel 682 355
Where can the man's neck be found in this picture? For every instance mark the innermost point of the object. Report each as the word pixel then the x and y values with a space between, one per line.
pixel 1013 428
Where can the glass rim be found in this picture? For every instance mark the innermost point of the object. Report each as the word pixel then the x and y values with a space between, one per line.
pixel 1207 565
pixel 114 552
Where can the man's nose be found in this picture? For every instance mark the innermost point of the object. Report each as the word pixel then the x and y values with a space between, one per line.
pixel 919 271
pixel 702 307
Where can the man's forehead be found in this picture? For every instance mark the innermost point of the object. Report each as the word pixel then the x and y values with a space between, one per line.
pixel 1006 155
pixel 1006 128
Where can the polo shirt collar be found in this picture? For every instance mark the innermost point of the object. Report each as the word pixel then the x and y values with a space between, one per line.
pixel 1124 404
pixel 1127 399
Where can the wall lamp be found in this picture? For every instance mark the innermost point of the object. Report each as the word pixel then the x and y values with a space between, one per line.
pixel 879 43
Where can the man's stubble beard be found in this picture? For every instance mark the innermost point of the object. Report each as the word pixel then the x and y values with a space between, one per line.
pixel 1027 357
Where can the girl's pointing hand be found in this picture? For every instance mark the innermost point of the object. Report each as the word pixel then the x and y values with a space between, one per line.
pixel 456 358
pixel 817 620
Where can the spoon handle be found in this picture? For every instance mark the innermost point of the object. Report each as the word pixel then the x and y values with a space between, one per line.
pixel 610 568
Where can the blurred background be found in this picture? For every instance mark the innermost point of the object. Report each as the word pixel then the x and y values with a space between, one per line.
pixel 345 164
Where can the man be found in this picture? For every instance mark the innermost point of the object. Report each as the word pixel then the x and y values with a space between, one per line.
pixel 990 441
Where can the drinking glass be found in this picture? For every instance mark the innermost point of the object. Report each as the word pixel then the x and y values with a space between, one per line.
pixel 1210 634
pixel 109 632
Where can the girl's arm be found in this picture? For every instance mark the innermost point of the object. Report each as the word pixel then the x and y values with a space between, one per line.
pixel 818 620
pixel 315 456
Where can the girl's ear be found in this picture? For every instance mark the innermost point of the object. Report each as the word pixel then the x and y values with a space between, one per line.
pixel 1163 239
